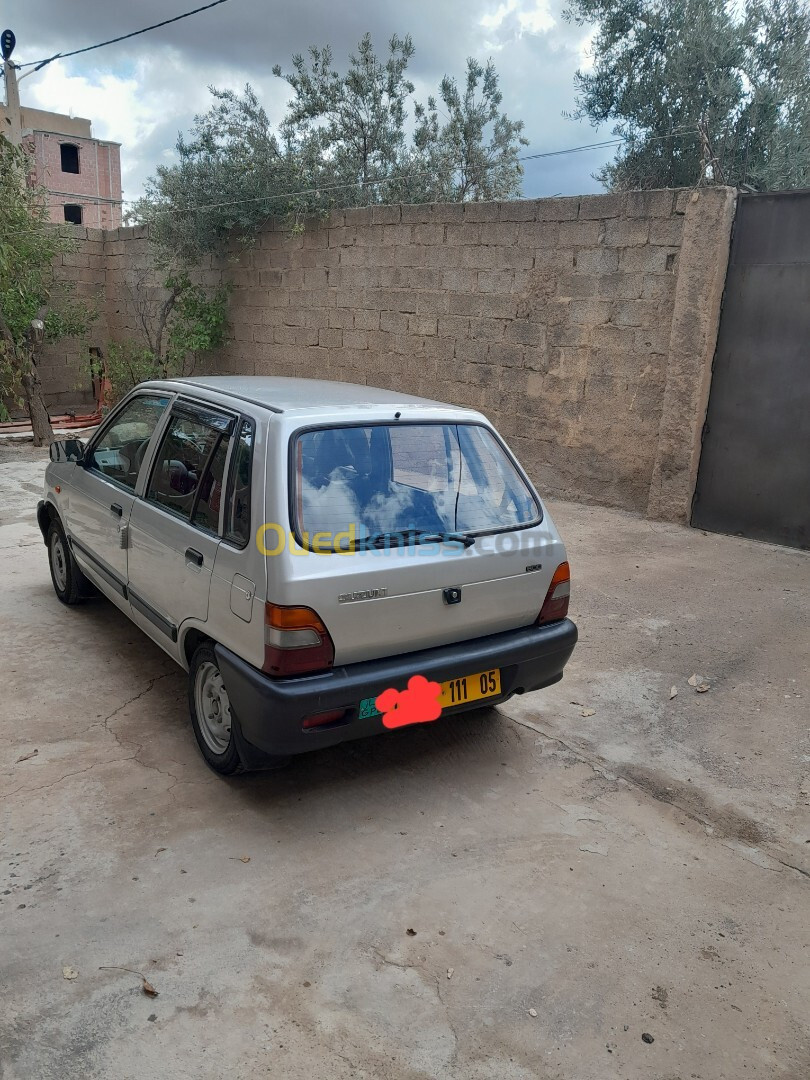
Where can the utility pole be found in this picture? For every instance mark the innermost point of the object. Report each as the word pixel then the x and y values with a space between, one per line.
pixel 13 127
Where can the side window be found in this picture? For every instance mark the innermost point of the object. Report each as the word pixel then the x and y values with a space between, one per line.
pixel 119 452
pixel 237 518
pixel 206 513
pixel 184 478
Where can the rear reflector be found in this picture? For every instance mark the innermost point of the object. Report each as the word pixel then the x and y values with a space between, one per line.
pixel 295 641
pixel 323 718
pixel 555 605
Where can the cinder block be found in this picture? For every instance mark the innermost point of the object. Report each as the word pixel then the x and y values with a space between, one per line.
pixel 271 278
pixel 518 210
pixel 417 213
pixel 393 322
pixel 499 232
pixel 330 338
pixel 386 215
pixel 597 261
pixel 667 231
pixel 580 233
pixel 423 325
pixel 495 281
pixel 359 215
pixel 365 319
pixel 466 233
pixel 601 206
pixel 454 326
pixel 626 232
pixel 649 204
pixel 644 313
pixel 466 303
pixel 488 329
pixel 526 332
pixel 647 259
pixel 428 234
pixel 589 312
pixel 481 211
pixel 578 286
pixel 459 280
pixel 505 354
pixel 561 209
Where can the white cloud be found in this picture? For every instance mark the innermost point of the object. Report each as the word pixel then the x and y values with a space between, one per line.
pixel 533 18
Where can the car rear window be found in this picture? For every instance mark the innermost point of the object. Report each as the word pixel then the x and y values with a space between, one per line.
pixel 394 478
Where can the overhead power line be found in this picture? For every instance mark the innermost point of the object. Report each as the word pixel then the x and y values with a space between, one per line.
pixel 405 176
pixel 37 64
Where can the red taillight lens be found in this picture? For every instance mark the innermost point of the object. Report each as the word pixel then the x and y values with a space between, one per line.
pixel 555 605
pixel 320 719
pixel 295 641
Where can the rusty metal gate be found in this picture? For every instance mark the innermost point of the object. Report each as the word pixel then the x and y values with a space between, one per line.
pixel 754 475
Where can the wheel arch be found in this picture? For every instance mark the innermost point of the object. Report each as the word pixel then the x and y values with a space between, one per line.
pixel 191 641
pixel 46 513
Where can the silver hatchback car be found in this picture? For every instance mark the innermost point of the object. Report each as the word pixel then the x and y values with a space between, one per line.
pixel 327 561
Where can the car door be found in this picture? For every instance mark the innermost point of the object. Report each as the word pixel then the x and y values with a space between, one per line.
pixel 175 526
pixel 102 489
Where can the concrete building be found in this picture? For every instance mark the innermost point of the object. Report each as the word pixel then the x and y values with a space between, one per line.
pixel 82 175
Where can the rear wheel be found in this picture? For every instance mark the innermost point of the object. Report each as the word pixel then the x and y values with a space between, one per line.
pixel 211 715
pixel 69 583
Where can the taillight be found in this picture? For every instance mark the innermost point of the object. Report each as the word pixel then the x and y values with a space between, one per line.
pixel 555 605
pixel 295 641
pixel 320 719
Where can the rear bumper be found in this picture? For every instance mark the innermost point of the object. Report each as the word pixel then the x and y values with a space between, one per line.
pixel 270 712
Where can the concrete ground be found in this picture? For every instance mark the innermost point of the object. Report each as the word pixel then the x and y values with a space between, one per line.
pixel 519 893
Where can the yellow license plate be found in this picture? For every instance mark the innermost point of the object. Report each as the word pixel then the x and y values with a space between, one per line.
pixel 470 688
pixel 461 691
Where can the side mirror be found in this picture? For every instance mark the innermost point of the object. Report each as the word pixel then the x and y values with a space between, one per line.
pixel 67 450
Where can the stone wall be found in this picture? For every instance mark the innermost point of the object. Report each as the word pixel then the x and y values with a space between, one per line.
pixel 583 327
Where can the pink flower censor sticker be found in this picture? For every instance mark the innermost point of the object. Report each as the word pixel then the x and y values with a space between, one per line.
pixel 419 704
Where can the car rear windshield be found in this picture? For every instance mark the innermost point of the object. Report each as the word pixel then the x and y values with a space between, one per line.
pixel 405 478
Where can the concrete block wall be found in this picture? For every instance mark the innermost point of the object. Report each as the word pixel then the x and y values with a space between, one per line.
pixel 583 327
pixel 555 317
pixel 65 366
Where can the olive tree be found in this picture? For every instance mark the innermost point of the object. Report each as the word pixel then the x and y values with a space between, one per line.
pixel 349 137
pixel 700 90
pixel 35 307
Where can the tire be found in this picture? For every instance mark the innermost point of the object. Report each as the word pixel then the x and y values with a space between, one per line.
pixel 69 583
pixel 211 715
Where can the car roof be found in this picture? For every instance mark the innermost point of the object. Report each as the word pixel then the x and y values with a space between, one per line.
pixel 301 396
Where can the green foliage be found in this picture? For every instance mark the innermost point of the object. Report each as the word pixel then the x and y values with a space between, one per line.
pixel 702 90
pixel 345 141
pixel 29 244
pixel 126 364
pixel 198 323
pixel 192 322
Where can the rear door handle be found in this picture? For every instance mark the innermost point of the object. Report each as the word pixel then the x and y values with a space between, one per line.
pixel 118 509
pixel 194 556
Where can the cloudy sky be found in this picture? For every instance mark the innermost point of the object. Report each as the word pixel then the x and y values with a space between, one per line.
pixel 143 91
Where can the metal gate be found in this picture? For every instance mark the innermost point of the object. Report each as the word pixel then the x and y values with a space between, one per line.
pixel 754 475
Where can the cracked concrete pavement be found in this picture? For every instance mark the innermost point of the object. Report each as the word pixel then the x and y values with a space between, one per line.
pixel 520 893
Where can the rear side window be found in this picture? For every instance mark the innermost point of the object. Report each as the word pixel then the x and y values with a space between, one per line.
pixel 397 478
pixel 237 517
pixel 187 478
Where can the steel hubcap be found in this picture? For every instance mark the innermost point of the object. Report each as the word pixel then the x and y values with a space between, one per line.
pixel 59 564
pixel 213 707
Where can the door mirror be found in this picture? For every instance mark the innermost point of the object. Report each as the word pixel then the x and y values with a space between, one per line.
pixel 67 450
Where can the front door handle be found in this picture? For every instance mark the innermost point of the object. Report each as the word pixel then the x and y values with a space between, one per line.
pixel 194 556
pixel 118 509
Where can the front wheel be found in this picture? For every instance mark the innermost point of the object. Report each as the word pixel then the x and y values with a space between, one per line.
pixel 69 583
pixel 211 715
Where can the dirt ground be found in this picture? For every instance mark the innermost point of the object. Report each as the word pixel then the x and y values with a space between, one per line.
pixel 525 892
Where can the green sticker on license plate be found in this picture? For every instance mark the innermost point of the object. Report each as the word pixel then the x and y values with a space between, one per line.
pixel 368 707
